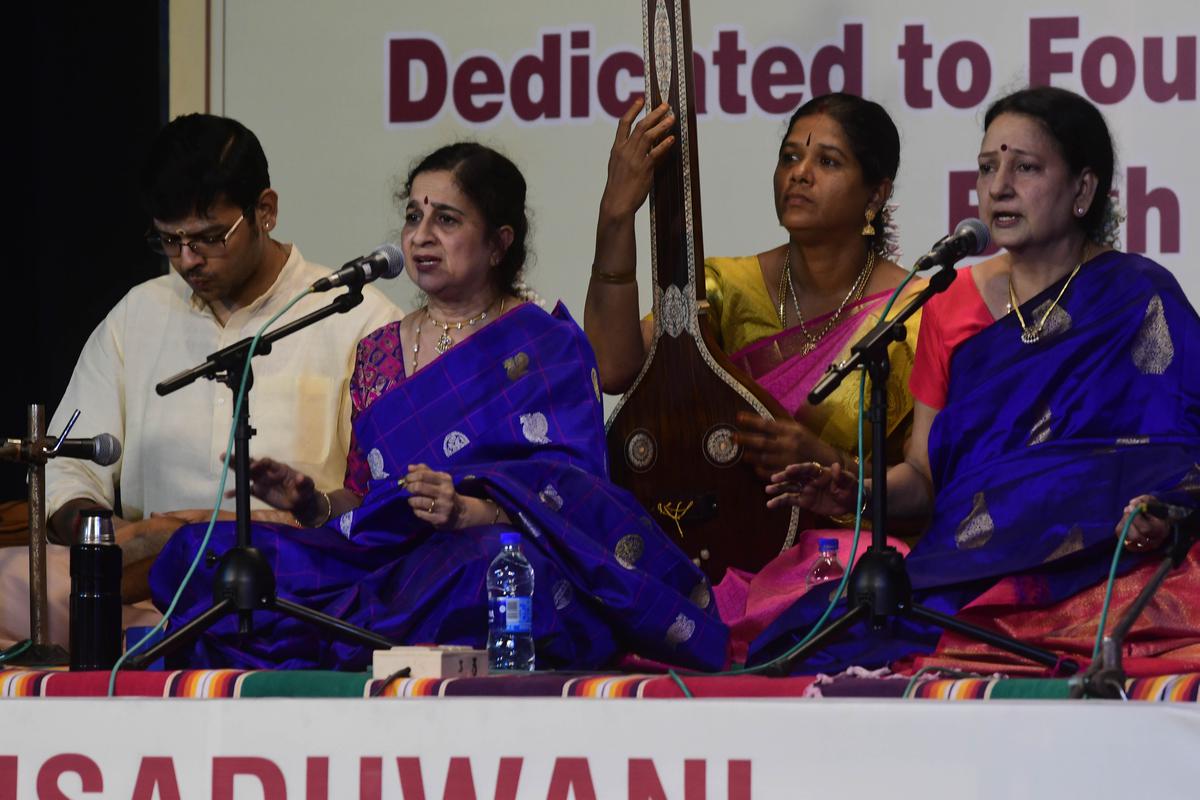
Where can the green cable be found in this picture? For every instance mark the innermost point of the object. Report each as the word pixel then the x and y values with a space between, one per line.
pixel 237 410
pixel 896 293
pixel 1112 577
pixel 16 650
pixel 862 388
pixel 679 682
pixel 675 675
pixel 833 598
pixel 1099 633
pixel 862 402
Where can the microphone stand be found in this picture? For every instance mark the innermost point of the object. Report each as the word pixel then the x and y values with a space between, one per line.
pixel 1105 677
pixel 244 581
pixel 41 650
pixel 879 586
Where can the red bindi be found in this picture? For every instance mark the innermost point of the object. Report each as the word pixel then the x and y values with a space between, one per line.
pixel 1003 147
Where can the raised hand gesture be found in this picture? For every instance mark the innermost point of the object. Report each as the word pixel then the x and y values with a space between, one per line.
pixel 635 152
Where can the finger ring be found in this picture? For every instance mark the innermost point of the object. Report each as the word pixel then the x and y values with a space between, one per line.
pixel 400 484
pixel 432 505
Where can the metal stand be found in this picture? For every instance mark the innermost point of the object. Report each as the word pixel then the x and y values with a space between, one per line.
pixel 1105 678
pixel 879 586
pixel 244 582
pixel 41 651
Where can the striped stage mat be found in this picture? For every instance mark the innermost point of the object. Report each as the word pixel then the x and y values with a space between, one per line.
pixel 267 683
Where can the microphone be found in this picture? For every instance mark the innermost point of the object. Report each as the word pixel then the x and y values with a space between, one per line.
pixel 103 449
pixel 385 261
pixel 970 237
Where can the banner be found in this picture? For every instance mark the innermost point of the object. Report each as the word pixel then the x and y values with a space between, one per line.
pixel 556 749
pixel 346 96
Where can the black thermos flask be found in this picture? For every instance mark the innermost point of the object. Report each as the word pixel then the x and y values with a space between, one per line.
pixel 95 593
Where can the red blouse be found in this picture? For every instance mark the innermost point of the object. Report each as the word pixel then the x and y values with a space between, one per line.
pixel 948 320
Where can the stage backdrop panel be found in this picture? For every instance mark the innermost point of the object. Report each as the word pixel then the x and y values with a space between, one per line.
pixel 346 95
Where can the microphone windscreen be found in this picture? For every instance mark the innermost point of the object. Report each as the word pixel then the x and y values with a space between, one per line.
pixel 979 233
pixel 393 259
pixel 107 449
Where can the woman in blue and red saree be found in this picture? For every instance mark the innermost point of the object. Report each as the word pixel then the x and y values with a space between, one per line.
pixel 1054 382
pixel 477 414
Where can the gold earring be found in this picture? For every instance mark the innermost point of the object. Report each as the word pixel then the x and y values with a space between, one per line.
pixel 869 229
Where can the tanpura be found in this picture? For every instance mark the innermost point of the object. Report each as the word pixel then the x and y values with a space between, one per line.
pixel 672 439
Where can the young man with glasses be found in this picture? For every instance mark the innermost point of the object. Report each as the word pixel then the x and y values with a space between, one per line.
pixel 207 189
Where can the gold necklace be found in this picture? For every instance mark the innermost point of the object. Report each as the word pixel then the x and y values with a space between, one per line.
pixel 445 342
pixel 855 294
pixel 1031 334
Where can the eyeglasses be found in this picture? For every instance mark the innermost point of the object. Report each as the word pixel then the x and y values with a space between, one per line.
pixel 172 245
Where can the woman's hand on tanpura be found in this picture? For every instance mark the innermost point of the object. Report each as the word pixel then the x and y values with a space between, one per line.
pixel 770 445
pixel 828 491
pixel 1146 532
pixel 636 151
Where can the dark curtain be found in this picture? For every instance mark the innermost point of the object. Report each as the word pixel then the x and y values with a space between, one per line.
pixel 88 83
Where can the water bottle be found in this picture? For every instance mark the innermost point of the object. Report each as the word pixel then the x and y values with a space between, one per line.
pixel 510 608
pixel 826 567
pixel 95 593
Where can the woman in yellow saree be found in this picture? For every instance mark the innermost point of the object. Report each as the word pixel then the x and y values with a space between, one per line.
pixel 784 314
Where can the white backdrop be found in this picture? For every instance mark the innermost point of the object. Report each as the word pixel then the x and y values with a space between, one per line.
pixel 346 95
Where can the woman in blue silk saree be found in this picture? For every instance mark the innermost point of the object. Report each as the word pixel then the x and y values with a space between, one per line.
pixel 504 415
pixel 1052 417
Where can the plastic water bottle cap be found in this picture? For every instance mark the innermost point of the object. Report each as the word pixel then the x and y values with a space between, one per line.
pixel 828 544
pixel 510 537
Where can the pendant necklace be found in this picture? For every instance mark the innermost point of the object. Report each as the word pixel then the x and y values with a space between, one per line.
pixel 445 341
pixel 855 294
pixel 1031 334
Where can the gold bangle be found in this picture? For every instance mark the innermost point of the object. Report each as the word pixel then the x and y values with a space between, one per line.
pixel 847 520
pixel 496 516
pixel 615 278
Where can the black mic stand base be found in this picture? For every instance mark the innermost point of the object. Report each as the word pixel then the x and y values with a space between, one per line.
pixel 244 582
pixel 880 590
pixel 1105 678
pixel 40 655
pixel 879 586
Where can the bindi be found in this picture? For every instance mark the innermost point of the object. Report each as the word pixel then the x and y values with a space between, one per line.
pixel 808 141
pixel 1003 148
pixel 426 199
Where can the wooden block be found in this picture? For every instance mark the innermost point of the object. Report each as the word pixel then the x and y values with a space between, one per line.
pixel 440 661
